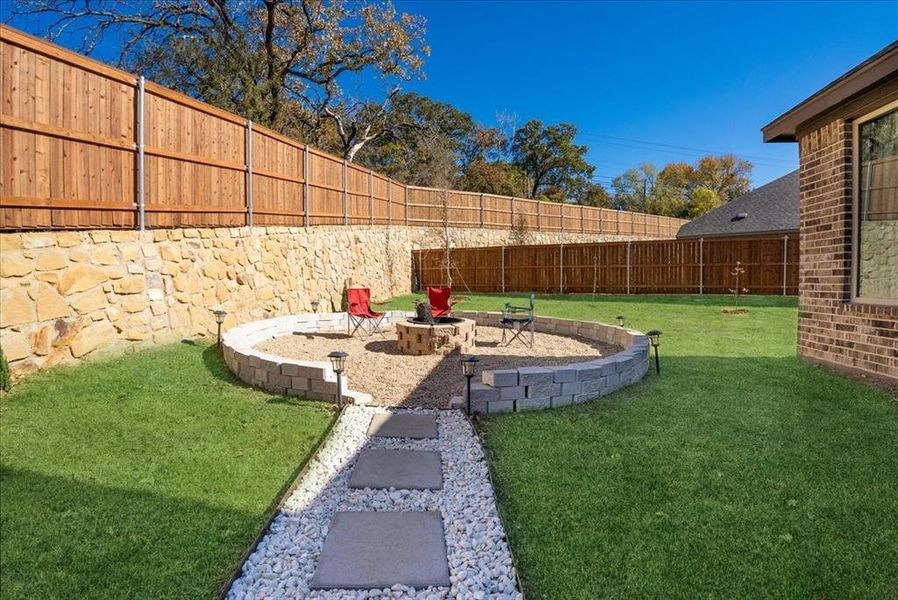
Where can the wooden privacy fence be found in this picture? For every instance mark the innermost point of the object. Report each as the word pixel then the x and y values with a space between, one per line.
pixel 85 145
pixel 702 266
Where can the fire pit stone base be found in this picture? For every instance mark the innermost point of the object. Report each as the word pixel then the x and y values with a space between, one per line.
pixel 439 338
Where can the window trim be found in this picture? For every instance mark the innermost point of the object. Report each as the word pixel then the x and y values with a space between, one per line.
pixel 855 205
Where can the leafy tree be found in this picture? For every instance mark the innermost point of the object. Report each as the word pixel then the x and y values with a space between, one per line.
pixel 703 200
pixel 277 62
pixel 591 193
pixel 633 187
pixel 499 178
pixel 548 156
pixel 727 175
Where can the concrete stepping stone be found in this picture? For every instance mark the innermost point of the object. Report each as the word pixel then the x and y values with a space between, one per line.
pixel 365 550
pixel 403 425
pixel 400 469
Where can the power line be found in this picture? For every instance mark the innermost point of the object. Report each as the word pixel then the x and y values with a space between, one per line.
pixel 682 150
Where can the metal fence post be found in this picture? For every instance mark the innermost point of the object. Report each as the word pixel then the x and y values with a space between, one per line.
pixel 539 224
pixel 249 173
pixel 345 193
pixel 405 196
pixel 628 267
pixel 141 192
pixel 785 261
pixel 561 267
pixel 582 219
pixel 617 231
pixel 305 186
pixel 481 211
pixel 370 197
pixel 512 211
pixel 389 202
pixel 701 266
pixel 503 269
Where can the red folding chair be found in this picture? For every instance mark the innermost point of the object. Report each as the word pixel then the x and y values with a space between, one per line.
pixel 361 316
pixel 441 302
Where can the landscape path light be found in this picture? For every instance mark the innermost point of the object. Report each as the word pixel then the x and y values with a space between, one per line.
pixel 655 339
pixel 620 320
pixel 338 362
pixel 468 366
pixel 219 319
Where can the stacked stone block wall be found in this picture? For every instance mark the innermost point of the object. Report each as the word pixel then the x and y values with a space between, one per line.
pixel 528 388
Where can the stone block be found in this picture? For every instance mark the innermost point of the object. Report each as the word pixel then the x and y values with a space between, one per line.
pixel 588 370
pixel 512 393
pixel 501 377
pixel 16 308
pixel 483 393
pixel 543 390
pixel 81 278
pixel 571 387
pixel 580 398
pixel 307 371
pixel 534 403
pixel 15 264
pixel 565 374
pixel 500 406
pixel 534 375
pixel 300 383
pixel 562 400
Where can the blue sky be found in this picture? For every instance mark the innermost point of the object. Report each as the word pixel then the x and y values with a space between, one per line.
pixel 699 75
pixel 693 75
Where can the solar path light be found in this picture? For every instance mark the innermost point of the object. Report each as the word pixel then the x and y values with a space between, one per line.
pixel 338 362
pixel 468 366
pixel 655 339
pixel 219 319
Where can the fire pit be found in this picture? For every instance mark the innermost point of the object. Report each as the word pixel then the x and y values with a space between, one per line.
pixel 446 334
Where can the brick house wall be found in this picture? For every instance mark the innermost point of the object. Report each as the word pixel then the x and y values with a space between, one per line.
pixel 832 330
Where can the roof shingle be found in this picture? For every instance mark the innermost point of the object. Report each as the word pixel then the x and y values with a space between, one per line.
pixel 771 208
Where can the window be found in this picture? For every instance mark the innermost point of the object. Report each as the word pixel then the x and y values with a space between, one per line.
pixel 876 207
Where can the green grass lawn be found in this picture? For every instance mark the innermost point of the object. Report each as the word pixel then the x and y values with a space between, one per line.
pixel 146 476
pixel 740 472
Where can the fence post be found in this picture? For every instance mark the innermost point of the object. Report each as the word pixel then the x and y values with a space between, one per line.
pixel 141 198
pixel 345 193
pixel 420 272
pixel 617 231
pixel 249 173
pixel 785 261
pixel 539 224
pixel 628 267
pixel 503 269
pixel 305 186
pixel 445 208
pixel 561 266
pixel 389 202
pixel 582 219
pixel 481 211
pixel 370 197
pixel 701 266
pixel 512 211
pixel 405 196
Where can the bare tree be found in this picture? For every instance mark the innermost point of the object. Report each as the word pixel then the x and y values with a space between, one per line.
pixel 358 123
pixel 277 62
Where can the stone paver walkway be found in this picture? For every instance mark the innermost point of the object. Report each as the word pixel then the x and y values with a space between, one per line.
pixel 333 540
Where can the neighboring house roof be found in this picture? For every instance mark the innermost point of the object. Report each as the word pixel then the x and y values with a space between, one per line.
pixel 771 208
pixel 880 67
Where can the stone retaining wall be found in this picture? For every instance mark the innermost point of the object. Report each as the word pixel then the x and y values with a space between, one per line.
pixel 527 388
pixel 70 295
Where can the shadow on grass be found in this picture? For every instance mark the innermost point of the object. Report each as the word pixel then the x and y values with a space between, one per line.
pixel 113 543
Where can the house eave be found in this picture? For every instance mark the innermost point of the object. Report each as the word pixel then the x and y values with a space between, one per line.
pixel 866 75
